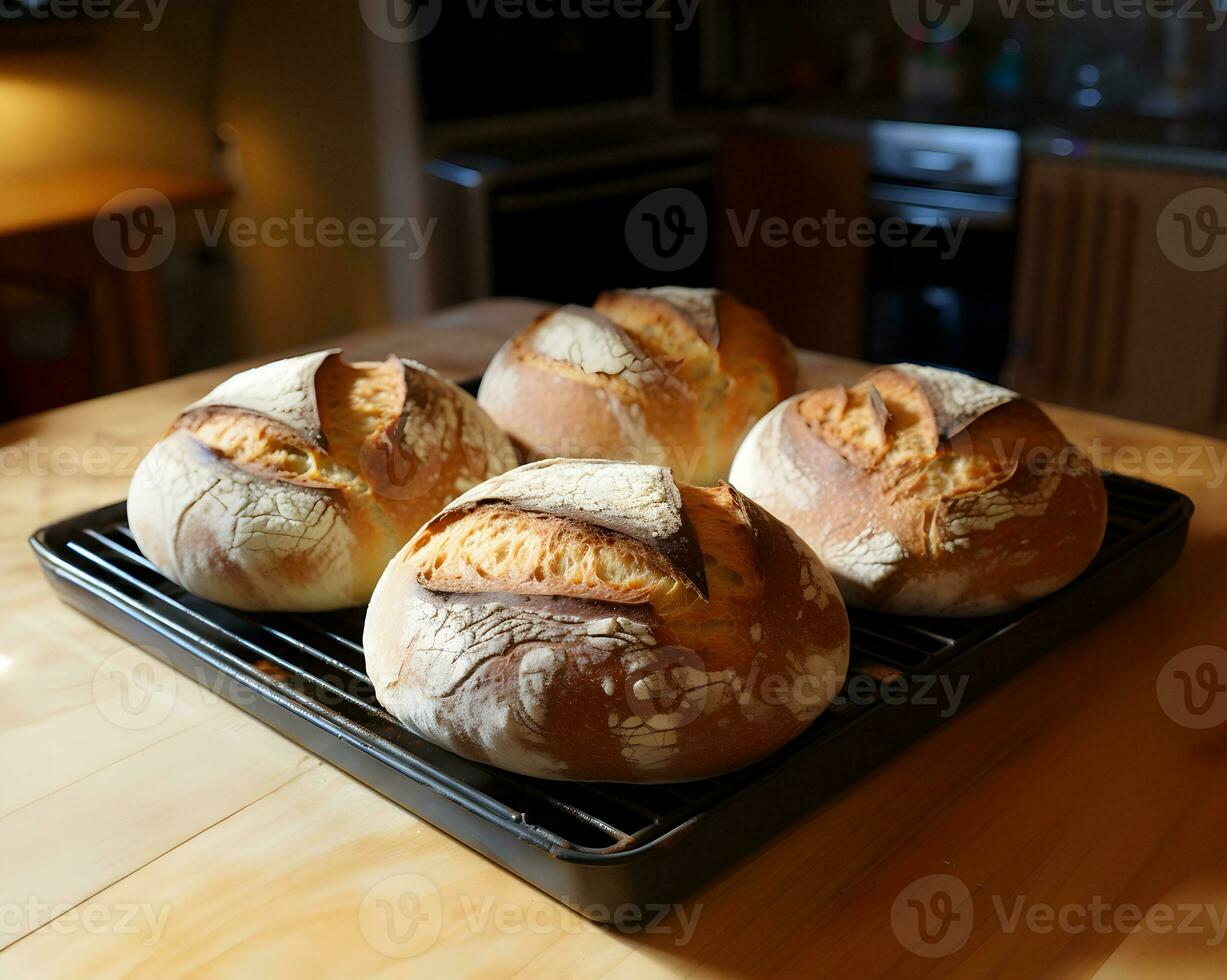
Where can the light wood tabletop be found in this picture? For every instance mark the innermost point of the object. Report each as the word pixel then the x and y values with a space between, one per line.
pixel 1083 820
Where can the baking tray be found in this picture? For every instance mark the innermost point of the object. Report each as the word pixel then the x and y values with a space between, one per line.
pixel 597 847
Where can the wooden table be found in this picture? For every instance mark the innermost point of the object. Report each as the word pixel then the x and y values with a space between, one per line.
pixel 201 841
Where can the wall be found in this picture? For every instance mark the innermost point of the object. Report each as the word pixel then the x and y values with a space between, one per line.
pixel 294 89
pixel 120 94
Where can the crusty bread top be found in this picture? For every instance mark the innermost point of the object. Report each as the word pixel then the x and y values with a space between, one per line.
pixel 283 391
pixel 319 421
pixel 759 579
pixel 532 530
pixel 902 422
pixel 592 344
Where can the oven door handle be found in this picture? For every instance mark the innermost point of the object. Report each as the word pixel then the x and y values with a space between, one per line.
pixel 933 205
pixel 582 193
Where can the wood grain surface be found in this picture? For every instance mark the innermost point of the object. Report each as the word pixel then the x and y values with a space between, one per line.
pixel 171 835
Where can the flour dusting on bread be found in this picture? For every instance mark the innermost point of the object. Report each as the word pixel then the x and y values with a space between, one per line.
pixel 922 491
pixel 290 486
pixel 548 622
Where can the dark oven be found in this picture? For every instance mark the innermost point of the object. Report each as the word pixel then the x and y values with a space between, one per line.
pixel 554 227
pixel 945 297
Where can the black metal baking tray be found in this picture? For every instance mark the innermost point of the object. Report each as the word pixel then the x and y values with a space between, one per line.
pixel 596 847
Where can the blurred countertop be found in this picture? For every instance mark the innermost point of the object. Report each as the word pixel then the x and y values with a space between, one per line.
pixel 1198 145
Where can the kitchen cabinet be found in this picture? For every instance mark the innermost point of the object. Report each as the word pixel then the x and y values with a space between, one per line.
pixel 1104 318
pixel 811 287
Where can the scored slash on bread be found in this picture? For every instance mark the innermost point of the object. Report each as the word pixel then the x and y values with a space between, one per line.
pixel 670 376
pixel 928 492
pixel 639 503
pixel 289 486
pixel 588 619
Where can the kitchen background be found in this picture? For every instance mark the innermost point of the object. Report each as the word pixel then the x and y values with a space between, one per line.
pixel 1031 190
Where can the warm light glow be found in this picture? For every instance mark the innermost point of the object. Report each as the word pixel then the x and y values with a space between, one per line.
pixel 34 114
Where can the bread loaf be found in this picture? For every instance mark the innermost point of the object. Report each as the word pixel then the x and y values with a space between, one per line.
pixel 929 492
pixel 673 377
pixel 290 486
pixel 595 620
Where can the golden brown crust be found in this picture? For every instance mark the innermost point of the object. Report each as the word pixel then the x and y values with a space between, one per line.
pixel 925 492
pixel 291 485
pixel 671 377
pixel 545 642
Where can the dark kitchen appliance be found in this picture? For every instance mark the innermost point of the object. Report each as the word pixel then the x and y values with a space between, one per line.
pixel 477 63
pixel 545 215
pixel 596 847
pixel 944 297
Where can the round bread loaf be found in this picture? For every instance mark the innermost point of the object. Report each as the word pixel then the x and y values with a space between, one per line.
pixel 595 620
pixel 927 491
pixel 673 377
pixel 290 486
